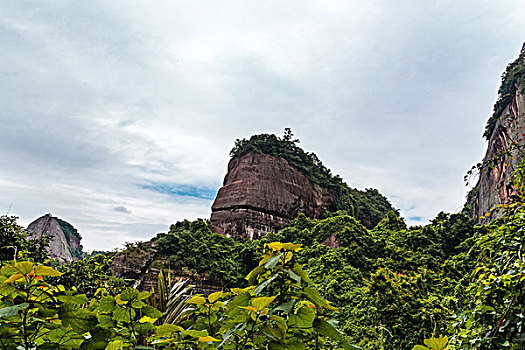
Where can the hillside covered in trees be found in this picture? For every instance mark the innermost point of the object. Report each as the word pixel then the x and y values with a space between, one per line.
pixel 335 281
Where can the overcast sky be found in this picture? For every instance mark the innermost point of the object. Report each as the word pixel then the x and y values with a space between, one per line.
pixel 118 116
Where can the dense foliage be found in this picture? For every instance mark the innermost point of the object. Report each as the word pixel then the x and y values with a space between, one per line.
pixel 15 245
pixel 368 206
pixel 192 246
pixel 393 284
pixel 512 80
pixel 281 309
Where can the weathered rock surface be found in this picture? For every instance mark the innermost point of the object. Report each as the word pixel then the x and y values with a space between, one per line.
pixel 63 243
pixel 260 193
pixel 143 262
pixel 495 182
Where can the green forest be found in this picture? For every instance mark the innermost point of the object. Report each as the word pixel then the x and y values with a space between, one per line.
pixel 450 283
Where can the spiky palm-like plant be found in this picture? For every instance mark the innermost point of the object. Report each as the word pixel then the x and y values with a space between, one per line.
pixel 171 297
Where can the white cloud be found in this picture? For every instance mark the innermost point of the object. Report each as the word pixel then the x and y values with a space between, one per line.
pixel 104 98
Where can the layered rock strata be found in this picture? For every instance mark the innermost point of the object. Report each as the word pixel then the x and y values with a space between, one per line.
pixel 260 193
pixel 504 153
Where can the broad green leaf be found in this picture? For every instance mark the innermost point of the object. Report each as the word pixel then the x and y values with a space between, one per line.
pixel 275 346
pixel 420 347
pixel 105 321
pixel 123 315
pixel 146 319
pixel 213 297
pixel 249 308
pixel 232 308
pixel 284 246
pixel 280 322
pixel 292 247
pixel 138 304
pixel 143 328
pixel 275 245
pixel 106 304
pixel 115 345
pixel 436 343
pixel 23 267
pixel 80 320
pixel 166 330
pixel 261 302
pixel 264 284
pixel 303 317
pixel 326 329
pixel 313 295
pixel 151 312
pixel 100 333
pixel 129 294
pixel 254 274
pixel 77 299
pixel 12 310
pixel 271 262
pixel 15 277
pixel 293 275
pixel 47 271
pixel 144 295
pixel 298 269
pixel 295 344
pixel 65 338
pixel 197 300
pixel 196 334
pixel 207 339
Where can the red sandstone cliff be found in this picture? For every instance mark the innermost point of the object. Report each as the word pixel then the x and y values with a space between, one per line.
pixel 260 193
pixel 495 182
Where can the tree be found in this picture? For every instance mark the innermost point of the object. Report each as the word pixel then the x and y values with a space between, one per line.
pixel 14 242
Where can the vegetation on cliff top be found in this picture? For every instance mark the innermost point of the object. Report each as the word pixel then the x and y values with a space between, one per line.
pixel 70 231
pixel 368 206
pixel 512 80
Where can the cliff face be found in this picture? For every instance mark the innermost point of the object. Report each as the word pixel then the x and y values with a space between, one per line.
pixel 143 262
pixel 65 240
pixel 495 182
pixel 260 193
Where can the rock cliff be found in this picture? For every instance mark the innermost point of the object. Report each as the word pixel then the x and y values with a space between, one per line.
pixel 270 180
pixel 506 140
pixel 260 193
pixel 64 243
pixel 501 160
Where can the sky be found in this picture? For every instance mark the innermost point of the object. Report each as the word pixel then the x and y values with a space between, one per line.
pixel 118 116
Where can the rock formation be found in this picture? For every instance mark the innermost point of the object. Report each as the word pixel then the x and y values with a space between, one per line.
pixel 64 243
pixel 142 262
pixel 260 193
pixel 506 134
pixel 495 182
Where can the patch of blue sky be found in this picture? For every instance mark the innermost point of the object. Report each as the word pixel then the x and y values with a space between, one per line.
pixel 416 218
pixel 181 190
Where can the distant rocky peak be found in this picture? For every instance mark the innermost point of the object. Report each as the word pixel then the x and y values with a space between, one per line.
pixel 64 242
pixel 260 194
pixel 271 180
